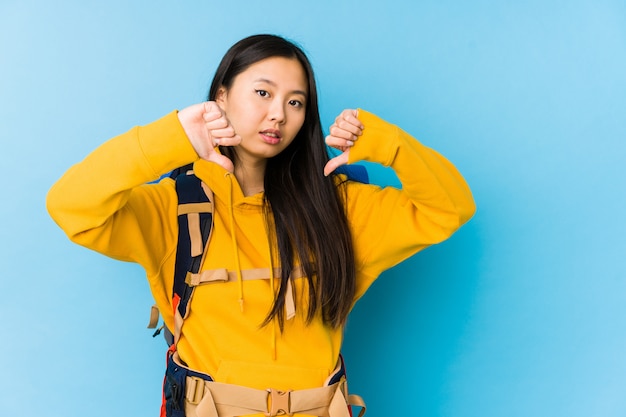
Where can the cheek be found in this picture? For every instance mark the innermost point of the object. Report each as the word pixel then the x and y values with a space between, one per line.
pixel 240 118
pixel 298 123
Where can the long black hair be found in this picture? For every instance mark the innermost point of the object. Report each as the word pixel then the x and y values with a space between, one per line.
pixel 303 207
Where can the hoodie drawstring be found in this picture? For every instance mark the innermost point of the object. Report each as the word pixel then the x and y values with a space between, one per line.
pixel 234 238
pixel 290 308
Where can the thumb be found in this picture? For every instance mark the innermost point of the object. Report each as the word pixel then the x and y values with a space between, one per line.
pixel 336 162
pixel 222 161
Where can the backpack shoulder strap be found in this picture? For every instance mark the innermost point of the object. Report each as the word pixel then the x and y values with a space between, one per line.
pixel 195 221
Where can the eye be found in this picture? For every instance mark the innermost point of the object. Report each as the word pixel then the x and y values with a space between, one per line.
pixel 296 103
pixel 262 93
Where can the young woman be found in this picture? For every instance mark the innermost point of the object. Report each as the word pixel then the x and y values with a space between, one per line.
pixel 295 244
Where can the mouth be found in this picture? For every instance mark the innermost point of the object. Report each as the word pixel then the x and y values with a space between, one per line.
pixel 271 136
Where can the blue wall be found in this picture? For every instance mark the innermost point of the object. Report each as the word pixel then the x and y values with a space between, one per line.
pixel 521 313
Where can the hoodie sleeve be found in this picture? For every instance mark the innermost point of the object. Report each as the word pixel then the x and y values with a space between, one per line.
pixel 389 224
pixel 104 203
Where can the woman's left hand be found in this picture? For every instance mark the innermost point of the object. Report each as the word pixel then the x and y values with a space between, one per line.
pixel 343 134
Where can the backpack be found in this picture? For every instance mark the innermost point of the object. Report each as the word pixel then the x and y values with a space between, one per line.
pixel 195 221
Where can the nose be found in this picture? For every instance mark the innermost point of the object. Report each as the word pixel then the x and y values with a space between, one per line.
pixel 276 112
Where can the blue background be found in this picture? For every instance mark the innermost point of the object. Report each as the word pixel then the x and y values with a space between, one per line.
pixel 521 313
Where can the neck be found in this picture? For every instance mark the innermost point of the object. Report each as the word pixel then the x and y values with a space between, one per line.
pixel 250 176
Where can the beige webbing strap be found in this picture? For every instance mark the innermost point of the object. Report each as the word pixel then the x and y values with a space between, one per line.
pixel 192 211
pixel 338 406
pixel 214 399
pixel 224 275
pixel 178 324
pixel 154 317
pixel 206 207
pixel 319 401
pixel 222 400
pixel 357 401
pixel 195 234
pixel 208 192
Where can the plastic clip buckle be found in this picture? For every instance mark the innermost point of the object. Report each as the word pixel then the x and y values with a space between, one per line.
pixel 195 390
pixel 279 403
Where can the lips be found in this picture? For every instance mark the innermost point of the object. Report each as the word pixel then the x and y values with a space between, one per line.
pixel 271 136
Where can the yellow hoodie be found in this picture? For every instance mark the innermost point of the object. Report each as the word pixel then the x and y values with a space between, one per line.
pixel 105 203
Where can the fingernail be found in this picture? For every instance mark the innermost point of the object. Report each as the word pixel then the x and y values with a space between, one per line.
pixel 349 143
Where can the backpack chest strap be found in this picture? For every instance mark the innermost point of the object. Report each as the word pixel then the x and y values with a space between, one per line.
pixel 224 275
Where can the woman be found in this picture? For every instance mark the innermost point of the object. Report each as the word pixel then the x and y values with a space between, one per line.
pixel 299 244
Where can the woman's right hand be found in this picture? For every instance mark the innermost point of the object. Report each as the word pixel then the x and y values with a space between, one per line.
pixel 343 134
pixel 207 126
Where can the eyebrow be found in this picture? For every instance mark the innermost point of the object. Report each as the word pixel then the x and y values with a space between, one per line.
pixel 273 84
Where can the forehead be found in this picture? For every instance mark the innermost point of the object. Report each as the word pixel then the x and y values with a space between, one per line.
pixel 281 72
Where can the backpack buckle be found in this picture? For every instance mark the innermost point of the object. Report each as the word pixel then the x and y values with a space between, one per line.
pixel 279 403
pixel 195 389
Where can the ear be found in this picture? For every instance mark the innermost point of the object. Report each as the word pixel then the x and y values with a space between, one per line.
pixel 220 97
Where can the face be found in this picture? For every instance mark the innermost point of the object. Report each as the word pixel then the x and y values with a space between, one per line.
pixel 266 106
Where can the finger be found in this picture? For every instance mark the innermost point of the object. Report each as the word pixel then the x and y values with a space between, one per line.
pixel 227 141
pixel 341 133
pixel 350 124
pixel 216 123
pixel 227 132
pixel 211 111
pixel 215 118
pixel 350 116
pixel 347 126
pixel 336 162
pixel 222 132
pixel 212 107
pixel 338 143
